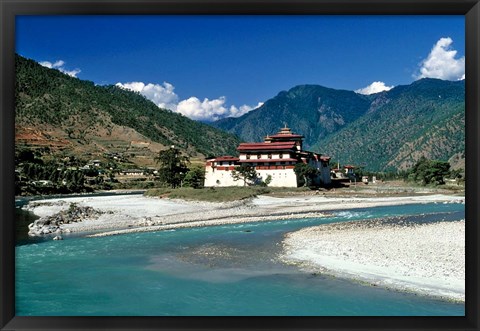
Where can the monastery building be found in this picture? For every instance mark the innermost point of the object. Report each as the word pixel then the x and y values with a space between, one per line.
pixel 275 157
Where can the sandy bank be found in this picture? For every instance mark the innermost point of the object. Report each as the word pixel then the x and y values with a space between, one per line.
pixel 427 259
pixel 137 213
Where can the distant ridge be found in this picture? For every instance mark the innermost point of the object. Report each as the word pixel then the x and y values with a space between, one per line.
pixel 385 131
pixel 312 110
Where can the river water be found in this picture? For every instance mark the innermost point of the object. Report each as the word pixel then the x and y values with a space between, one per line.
pixel 229 270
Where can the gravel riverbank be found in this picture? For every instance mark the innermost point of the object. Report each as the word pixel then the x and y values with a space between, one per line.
pixel 118 214
pixel 424 258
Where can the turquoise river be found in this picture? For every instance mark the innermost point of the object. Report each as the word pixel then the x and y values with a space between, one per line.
pixel 229 270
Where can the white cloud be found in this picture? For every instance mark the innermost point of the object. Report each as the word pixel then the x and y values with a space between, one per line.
pixel 162 95
pixel 237 112
pixel 442 62
pixel 211 110
pixel 203 110
pixel 60 66
pixel 71 73
pixel 375 87
pixel 51 65
pixel 207 110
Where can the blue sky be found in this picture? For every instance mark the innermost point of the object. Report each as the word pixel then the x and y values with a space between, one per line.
pixel 209 67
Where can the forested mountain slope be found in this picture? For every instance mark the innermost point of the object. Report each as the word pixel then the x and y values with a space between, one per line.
pixel 69 114
pixel 384 131
pixel 311 110
pixel 426 118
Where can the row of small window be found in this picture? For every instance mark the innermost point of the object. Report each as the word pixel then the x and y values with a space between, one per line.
pixel 269 156
pixel 279 175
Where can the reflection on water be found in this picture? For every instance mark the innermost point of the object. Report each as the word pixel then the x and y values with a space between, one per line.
pixel 221 262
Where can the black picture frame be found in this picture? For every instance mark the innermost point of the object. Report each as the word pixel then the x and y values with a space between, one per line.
pixel 10 8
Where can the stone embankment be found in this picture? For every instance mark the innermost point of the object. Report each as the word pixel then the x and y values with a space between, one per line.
pixel 52 224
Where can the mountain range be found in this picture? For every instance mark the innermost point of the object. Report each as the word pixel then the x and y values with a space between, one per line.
pixel 386 131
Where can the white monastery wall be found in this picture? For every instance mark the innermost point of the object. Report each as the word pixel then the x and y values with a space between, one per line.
pixel 280 177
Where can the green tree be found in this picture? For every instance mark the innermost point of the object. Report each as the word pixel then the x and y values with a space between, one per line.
pixel 428 171
pixel 173 166
pixel 195 177
pixel 246 173
pixel 305 174
pixel 26 155
pixel 74 180
pixel 267 180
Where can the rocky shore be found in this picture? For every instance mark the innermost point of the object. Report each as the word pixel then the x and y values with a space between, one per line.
pixel 53 224
pixel 394 253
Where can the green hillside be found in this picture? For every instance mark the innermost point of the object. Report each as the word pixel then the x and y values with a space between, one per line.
pixel 96 118
pixel 426 118
pixel 384 131
pixel 311 110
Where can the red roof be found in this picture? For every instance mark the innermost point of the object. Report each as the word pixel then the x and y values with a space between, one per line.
pixel 349 167
pixel 266 146
pixel 225 158
pixel 325 158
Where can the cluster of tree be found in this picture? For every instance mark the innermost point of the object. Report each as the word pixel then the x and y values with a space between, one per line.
pixel 37 176
pixel 424 172
pixel 305 174
pixel 250 176
pixel 194 177
pixel 174 171
pixel 434 172
pixel 247 174
pixel 48 179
